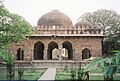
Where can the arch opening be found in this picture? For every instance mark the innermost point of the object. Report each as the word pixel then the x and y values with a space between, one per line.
pixel 38 51
pixel 68 51
pixel 20 54
pixel 53 53
pixel 86 54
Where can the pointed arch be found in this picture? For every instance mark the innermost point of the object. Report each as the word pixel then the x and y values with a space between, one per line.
pixel 20 54
pixel 38 51
pixel 51 46
pixel 68 46
pixel 86 54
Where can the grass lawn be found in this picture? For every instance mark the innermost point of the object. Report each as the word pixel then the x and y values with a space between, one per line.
pixel 63 76
pixel 100 77
pixel 66 75
pixel 28 74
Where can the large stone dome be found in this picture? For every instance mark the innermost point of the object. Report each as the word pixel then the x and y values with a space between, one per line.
pixel 56 18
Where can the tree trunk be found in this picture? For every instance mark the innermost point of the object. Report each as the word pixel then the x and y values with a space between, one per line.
pixel 10 72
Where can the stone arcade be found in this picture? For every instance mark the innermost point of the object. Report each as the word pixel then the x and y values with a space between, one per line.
pixel 56 40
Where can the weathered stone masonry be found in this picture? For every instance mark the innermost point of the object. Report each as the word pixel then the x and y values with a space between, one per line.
pixel 55 30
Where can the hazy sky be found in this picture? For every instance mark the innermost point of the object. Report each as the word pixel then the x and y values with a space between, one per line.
pixel 32 10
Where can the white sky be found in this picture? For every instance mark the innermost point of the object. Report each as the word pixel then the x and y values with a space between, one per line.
pixel 32 10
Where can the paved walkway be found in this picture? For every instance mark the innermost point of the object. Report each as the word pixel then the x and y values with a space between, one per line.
pixel 49 74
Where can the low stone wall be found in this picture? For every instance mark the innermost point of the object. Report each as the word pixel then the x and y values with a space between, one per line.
pixel 51 63
pixel 2 64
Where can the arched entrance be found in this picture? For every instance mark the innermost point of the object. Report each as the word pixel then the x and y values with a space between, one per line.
pixel 68 50
pixel 38 51
pixel 20 54
pixel 86 54
pixel 51 50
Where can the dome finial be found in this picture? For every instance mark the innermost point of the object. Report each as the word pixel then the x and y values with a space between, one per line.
pixel 55 10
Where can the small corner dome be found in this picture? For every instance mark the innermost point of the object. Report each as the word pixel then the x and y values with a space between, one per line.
pixel 83 23
pixel 97 27
pixel 55 17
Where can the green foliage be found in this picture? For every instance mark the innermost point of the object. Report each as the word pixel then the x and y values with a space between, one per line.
pixel 6 56
pixel 13 28
pixel 109 21
pixel 60 75
pixel 107 65
pixel 90 66
pixel 103 63
pixel 28 74
pixel 106 19
pixel 117 58
pixel 110 45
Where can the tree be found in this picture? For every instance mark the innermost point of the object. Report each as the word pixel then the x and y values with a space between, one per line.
pixel 106 19
pixel 8 58
pixel 109 21
pixel 108 65
pixel 13 28
pixel 110 45
pixel 1 3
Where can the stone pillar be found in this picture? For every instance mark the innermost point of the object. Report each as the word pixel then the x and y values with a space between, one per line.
pixel 29 50
pixel 80 55
pixel 74 31
pixel 45 50
pixel 32 54
pixel 73 55
pixel 60 51
pixel 45 54
pixel 60 54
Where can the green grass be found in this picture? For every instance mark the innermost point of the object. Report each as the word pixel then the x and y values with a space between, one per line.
pixel 28 74
pixel 66 75
pixel 2 74
pixel 100 77
pixel 63 77
pixel 96 77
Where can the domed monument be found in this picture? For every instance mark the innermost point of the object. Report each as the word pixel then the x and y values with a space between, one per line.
pixel 56 40
pixel 56 18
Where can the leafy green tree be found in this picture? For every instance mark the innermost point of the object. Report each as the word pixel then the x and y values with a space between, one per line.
pixel 109 21
pixel 108 65
pixel 106 19
pixel 109 45
pixel 13 28
pixel 8 58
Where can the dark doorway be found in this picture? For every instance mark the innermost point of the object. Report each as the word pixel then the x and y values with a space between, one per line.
pixel 20 54
pixel 38 51
pixel 51 46
pixel 86 54
pixel 68 47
